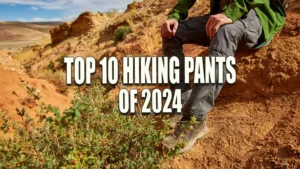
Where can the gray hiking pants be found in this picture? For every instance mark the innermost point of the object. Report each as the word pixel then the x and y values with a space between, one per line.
pixel 247 31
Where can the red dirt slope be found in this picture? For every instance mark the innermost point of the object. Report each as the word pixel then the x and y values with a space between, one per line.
pixel 13 93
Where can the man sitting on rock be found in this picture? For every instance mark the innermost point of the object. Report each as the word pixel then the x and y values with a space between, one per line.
pixel 231 23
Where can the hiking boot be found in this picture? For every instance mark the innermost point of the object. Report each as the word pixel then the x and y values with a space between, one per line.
pixel 185 135
pixel 174 120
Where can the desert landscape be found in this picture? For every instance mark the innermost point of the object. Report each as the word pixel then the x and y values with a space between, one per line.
pixel 255 123
pixel 15 35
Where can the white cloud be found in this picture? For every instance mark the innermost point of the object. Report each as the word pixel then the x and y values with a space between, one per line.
pixel 67 18
pixel 37 19
pixel 55 19
pixel 34 8
pixel 22 20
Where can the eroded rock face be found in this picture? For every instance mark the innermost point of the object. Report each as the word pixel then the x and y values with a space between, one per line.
pixel 60 33
pixel 86 22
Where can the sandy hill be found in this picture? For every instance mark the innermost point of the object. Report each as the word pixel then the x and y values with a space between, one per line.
pixel 13 92
pixel 15 35
pixel 11 33
pixel 255 123
pixel 38 26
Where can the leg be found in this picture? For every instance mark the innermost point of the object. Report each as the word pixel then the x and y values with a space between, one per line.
pixel 191 31
pixel 247 31
pixel 225 43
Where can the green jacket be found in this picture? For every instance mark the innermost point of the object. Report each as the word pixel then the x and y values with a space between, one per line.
pixel 270 12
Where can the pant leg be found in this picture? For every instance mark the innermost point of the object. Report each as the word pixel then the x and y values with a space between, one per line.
pixel 191 31
pixel 246 31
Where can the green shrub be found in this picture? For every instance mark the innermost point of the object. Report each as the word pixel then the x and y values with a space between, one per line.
pixel 60 60
pixel 58 78
pixel 121 33
pixel 31 91
pixel 51 66
pixel 90 134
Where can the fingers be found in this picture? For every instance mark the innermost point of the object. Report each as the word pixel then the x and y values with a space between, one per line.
pixel 215 29
pixel 211 29
pixel 214 23
pixel 166 30
pixel 168 25
pixel 175 28
pixel 207 26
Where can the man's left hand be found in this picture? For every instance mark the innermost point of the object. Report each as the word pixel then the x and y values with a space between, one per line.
pixel 214 23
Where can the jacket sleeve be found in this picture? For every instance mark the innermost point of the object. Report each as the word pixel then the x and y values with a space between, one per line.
pixel 237 8
pixel 181 9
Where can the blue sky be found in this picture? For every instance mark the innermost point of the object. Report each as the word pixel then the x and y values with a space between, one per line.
pixel 54 10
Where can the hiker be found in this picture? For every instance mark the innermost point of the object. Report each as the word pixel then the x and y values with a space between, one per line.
pixel 248 23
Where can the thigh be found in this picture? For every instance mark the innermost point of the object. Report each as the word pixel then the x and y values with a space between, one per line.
pixel 192 31
pixel 246 32
pixel 253 34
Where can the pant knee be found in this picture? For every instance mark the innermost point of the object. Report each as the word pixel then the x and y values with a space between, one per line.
pixel 224 41
pixel 226 31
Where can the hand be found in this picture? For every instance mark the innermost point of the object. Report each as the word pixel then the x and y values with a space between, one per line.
pixel 166 28
pixel 214 23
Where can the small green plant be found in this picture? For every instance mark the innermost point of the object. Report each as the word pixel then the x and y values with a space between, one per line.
pixel 58 78
pixel 31 91
pixel 121 33
pixel 51 66
pixel 60 59
pixel 90 134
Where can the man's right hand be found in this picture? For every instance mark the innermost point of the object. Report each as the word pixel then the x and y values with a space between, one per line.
pixel 166 30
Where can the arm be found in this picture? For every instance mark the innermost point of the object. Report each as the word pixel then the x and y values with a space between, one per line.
pixel 237 8
pixel 178 13
pixel 180 10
